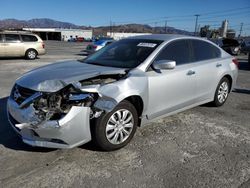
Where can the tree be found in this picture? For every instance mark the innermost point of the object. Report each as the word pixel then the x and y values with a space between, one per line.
pixel 204 31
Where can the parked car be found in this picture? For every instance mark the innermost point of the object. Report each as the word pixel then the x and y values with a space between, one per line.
pixel 88 40
pixel 97 45
pixel 79 39
pixel 231 46
pixel 94 39
pixel 245 46
pixel 14 44
pixel 71 39
pixel 129 83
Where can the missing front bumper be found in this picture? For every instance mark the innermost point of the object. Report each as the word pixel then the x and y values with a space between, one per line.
pixel 70 131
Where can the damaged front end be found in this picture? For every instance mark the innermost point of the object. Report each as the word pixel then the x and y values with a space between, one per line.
pixel 59 119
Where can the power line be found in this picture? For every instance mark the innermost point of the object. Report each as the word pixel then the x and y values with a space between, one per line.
pixel 172 18
pixel 227 14
pixel 228 10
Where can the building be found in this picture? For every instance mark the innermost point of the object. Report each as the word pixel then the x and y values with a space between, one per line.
pixel 231 33
pixel 118 36
pixel 224 28
pixel 60 34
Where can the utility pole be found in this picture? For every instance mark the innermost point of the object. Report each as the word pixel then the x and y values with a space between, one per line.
pixel 196 22
pixel 113 28
pixel 110 27
pixel 241 26
pixel 166 23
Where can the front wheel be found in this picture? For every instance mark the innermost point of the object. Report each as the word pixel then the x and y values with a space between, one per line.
pixel 115 129
pixel 222 91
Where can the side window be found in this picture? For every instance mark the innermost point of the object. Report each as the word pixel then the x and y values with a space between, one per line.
pixel 12 38
pixel 178 51
pixel 1 38
pixel 204 50
pixel 29 38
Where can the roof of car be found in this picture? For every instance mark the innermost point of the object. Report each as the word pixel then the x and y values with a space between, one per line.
pixel 164 37
pixel 17 32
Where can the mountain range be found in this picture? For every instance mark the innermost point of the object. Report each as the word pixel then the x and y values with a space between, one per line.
pixel 102 30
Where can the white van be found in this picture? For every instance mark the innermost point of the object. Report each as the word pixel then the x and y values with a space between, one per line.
pixel 14 44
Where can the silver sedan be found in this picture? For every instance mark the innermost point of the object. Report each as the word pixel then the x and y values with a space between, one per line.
pixel 127 84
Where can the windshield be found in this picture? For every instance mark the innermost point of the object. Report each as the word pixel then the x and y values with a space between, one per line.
pixel 126 53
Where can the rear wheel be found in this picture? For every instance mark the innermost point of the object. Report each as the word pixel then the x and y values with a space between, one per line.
pixel 115 129
pixel 222 91
pixel 31 54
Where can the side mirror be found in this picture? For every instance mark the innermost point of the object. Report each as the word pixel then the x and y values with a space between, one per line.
pixel 164 64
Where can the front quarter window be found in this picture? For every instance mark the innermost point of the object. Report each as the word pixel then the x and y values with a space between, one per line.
pixel 126 53
pixel 178 51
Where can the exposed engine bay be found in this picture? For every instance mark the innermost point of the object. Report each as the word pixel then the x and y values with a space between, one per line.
pixel 55 105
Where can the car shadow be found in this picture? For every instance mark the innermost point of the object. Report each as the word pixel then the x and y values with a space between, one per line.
pixel 11 58
pixel 82 54
pixel 91 146
pixel 16 58
pixel 9 138
pixel 244 91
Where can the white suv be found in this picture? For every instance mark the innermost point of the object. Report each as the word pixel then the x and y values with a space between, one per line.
pixel 14 44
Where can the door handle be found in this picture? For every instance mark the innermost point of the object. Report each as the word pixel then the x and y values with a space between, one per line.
pixel 218 65
pixel 190 72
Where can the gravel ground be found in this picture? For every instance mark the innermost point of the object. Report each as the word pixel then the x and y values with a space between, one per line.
pixel 201 147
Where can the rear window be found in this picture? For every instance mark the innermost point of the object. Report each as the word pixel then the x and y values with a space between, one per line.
pixel 204 50
pixel 12 38
pixel 29 38
pixel 230 42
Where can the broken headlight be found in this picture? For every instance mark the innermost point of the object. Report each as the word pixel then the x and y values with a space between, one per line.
pixel 56 105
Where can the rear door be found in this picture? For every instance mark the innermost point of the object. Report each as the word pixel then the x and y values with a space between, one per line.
pixel 170 90
pixel 207 63
pixel 13 45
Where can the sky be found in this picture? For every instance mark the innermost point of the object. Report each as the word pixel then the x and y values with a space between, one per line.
pixel 175 13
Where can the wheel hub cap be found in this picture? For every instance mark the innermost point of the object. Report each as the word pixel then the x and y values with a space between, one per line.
pixel 119 126
pixel 223 92
pixel 32 54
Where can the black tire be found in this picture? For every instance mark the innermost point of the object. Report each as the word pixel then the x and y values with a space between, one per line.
pixel 217 102
pixel 31 54
pixel 100 124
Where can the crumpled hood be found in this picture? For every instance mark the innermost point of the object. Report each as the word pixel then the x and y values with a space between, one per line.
pixel 53 77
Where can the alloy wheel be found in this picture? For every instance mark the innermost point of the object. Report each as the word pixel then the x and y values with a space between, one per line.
pixel 32 54
pixel 223 92
pixel 119 126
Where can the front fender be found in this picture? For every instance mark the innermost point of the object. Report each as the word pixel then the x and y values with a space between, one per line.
pixel 112 94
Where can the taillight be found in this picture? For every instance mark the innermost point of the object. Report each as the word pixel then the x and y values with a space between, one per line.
pixel 236 62
pixel 43 45
pixel 94 46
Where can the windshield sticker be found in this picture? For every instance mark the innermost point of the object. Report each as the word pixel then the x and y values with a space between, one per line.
pixel 149 45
